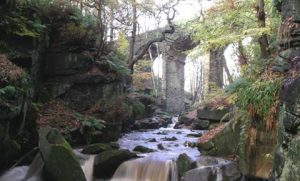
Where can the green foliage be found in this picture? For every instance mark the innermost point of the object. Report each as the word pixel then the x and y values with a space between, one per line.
pixel 230 21
pixel 138 108
pixel 123 44
pixel 255 96
pixel 114 63
pixel 90 126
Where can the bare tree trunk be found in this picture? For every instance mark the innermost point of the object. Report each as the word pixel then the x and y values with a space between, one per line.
pixel 133 36
pixel 141 51
pixel 263 39
pixel 81 6
pixel 100 31
pixel 111 24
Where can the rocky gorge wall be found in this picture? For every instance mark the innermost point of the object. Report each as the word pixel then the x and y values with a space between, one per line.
pixel 286 165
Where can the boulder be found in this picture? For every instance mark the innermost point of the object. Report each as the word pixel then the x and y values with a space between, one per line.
pixel 96 148
pixel 107 162
pixel 205 173
pixel 212 169
pixel 212 114
pixel 57 64
pixel 184 164
pixel 160 146
pixel 152 140
pixel 152 123
pixel 173 138
pixel 61 164
pixel 143 149
pixel 231 172
pixel 200 124
pixel 223 143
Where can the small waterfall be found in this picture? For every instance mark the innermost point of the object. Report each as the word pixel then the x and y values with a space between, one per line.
pixel 88 168
pixel 147 170
pixel 174 121
pixel 34 171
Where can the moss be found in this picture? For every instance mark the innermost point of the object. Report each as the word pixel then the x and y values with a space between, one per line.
pixel 97 148
pixel 61 163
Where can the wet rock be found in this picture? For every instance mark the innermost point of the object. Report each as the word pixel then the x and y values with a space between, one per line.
pixel 96 148
pixel 152 123
pixel 178 132
pixel 114 145
pixel 206 174
pixel 186 119
pixel 207 161
pixel 152 140
pixel 61 163
pixel 107 162
pixel 169 138
pixel 160 146
pixel 184 163
pixel 200 124
pixel 231 172
pixel 162 133
pixel 195 135
pixel 210 168
pixel 143 149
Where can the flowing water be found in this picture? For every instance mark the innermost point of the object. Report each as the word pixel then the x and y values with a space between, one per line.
pixel 159 165
pixel 146 170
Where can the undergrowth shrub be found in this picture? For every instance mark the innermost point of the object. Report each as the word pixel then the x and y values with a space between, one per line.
pixel 257 97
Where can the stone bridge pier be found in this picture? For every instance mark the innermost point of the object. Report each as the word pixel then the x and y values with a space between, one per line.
pixel 173 73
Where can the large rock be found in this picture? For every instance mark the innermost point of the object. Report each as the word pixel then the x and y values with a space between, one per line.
pixel 60 161
pixel 223 144
pixel 206 174
pixel 213 169
pixel 200 124
pixel 96 148
pixel 57 64
pixel 152 123
pixel 212 114
pixel 286 165
pixel 143 149
pixel 184 164
pixel 106 163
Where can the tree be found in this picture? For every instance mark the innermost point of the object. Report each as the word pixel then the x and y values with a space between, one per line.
pixel 231 21
pixel 263 39
pixel 134 56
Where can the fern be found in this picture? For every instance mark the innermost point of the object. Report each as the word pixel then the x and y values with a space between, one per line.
pixel 256 97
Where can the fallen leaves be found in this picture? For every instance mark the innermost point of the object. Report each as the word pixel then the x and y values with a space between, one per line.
pixel 211 133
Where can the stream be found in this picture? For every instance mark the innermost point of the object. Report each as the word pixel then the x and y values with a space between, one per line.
pixel 160 165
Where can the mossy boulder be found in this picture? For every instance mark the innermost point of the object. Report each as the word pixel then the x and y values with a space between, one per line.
pixel 60 161
pixel 143 149
pixel 223 144
pixel 96 148
pixel 184 163
pixel 107 162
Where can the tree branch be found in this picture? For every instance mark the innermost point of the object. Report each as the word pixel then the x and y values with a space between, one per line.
pixel 144 48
